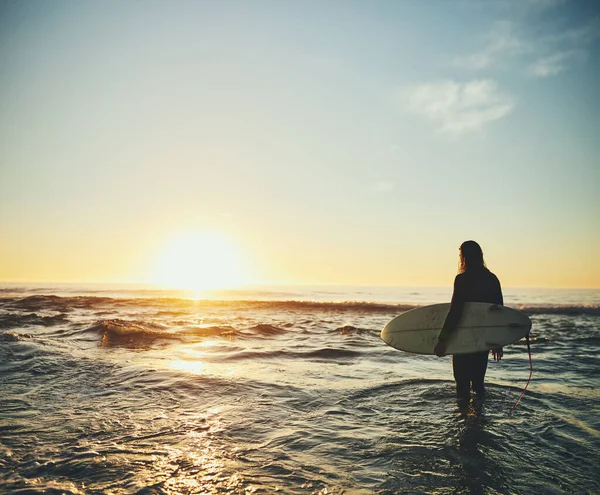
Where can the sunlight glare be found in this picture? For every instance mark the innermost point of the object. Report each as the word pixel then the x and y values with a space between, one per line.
pixel 193 367
pixel 199 261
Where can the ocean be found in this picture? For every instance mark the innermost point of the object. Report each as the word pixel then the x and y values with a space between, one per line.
pixel 114 390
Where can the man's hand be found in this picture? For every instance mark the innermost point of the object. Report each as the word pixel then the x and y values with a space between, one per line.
pixel 497 353
pixel 440 348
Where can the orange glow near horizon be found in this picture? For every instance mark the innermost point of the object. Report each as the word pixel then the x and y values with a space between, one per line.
pixel 199 261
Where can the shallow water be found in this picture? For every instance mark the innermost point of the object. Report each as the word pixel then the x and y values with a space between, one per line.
pixel 290 391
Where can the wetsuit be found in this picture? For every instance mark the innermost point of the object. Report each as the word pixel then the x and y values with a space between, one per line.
pixel 475 285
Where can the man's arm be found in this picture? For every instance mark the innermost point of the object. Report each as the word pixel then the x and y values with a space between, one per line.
pixel 453 317
pixel 499 295
pixel 499 299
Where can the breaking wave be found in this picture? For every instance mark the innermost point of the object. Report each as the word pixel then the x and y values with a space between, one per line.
pixel 133 333
pixel 561 309
pixel 130 333
pixel 66 304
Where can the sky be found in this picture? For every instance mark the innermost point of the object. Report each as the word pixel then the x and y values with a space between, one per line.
pixel 307 142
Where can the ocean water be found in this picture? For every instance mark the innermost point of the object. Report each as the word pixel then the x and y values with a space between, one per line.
pixel 285 390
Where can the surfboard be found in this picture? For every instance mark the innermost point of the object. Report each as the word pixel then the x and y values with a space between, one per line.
pixel 482 327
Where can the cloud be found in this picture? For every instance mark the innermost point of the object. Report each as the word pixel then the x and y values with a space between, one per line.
pixel 556 63
pixel 514 6
pixel 538 4
pixel 458 108
pixel 554 51
pixel 500 42
pixel 568 47
pixel 582 35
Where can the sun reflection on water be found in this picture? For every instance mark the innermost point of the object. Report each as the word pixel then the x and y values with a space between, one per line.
pixel 199 464
pixel 194 367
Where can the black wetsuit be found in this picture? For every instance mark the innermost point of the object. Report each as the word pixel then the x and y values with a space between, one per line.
pixel 476 285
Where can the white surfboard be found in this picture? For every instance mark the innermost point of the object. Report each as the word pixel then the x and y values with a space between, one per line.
pixel 482 326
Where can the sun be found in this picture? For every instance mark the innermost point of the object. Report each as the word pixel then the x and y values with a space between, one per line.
pixel 199 261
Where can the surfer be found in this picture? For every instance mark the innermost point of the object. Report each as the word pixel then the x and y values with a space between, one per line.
pixel 474 283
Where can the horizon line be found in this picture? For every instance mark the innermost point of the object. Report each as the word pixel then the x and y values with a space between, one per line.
pixel 154 286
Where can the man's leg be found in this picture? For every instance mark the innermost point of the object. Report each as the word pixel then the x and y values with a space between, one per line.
pixel 460 367
pixel 479 364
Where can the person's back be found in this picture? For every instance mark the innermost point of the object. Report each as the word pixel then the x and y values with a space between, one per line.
pixel 474 283
pixel 479 285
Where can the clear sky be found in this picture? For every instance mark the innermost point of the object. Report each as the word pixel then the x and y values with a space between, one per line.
pixel 334 142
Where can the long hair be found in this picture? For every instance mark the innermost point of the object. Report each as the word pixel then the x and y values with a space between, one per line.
pixel 470 257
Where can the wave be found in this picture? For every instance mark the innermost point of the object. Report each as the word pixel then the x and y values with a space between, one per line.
pixel 330 353
pixel 588 340
pixel 17 320
pixel 57 303
pixel 68 303
pixel 352 330
pixel 351 306
pixel 210 331
pixel 323 354
pixel 133 333
pixel 561 309
pixel 65 304
pixel 533 340
pixel 372 307
pixel 130 333
pixel 12 336
pixel 265 330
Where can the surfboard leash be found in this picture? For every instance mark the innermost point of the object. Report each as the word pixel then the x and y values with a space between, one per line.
pixel 528 380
